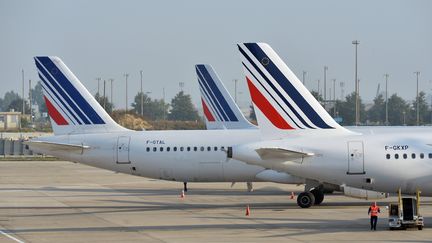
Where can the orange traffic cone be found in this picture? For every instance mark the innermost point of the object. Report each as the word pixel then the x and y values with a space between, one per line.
pixel 247 210
pixel 182 195
pixel 292 195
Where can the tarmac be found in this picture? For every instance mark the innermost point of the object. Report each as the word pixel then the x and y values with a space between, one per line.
pixel 58 201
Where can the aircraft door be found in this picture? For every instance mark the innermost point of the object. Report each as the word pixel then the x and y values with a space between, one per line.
pixel 355 158
pixel 123 143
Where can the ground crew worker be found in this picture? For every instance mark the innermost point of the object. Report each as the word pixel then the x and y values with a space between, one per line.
pixel 374 210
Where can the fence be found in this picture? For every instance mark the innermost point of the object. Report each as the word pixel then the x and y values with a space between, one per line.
pixel 12 147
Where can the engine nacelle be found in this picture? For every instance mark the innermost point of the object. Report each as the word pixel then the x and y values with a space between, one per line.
pixel 362 193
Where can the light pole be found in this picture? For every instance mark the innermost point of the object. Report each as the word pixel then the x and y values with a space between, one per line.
pixel 342 90
pixel 23 100
pixel 30 101
pixel 126 76
pixel 334 97
pixel 357 115
pixel 163 103
pixel 304 76
pixel 112 102
pixel 318 91
pixel 142 95
pixel 104 100
pixel 98 80
pixel 235 90
pixel 325 86
pixel 417 73
pixel 386 98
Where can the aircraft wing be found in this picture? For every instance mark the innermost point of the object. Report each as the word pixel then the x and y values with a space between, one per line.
pixel 281 154
pixel 57 146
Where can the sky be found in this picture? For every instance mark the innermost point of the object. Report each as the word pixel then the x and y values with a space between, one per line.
pixel 165 39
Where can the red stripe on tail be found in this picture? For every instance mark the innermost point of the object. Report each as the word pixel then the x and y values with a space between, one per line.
pixel 207 112
pixel 54 114
pixel 269 111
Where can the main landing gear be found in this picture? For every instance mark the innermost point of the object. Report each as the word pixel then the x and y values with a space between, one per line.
pixel 309 198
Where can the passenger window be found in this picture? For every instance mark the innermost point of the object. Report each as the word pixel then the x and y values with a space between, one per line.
pixel 413 155
pixel 396 156
pixel 421 155
pixel 195 148
pixel 215 148
pixel 405 156
pixel 181 149
pixel 148 149
pixel 222 148
pixel 161 149
pixel 430 155
pixel 154 149
pixel 175 148
pixel 168 149
pixel 188 149
pixel 388 156
pixel 208 148
pixel 202 148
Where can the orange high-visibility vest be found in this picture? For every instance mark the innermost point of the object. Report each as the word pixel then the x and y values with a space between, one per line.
pixel 374 210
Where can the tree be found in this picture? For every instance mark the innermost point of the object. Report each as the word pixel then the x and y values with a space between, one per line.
pixel 17 106
pixel 424 115
pixel 9 97
pixel 103 101
pixel 152 109
pixel 376 113
pixel 347 111
pixel 37 97
pixel 182 108
pixel 397 110
pixel 317 96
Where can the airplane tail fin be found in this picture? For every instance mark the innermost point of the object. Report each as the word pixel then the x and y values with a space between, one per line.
pixel 72 109
pixel 283 105
pixel 220 110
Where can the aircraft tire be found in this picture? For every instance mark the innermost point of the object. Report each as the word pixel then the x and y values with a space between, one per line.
pixel 305 199
pixel 319 196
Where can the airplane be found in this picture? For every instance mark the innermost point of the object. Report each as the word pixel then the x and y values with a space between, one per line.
pixel 85 133
pixel 300 138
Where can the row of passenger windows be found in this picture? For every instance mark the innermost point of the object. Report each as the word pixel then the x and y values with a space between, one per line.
pixel 413 156
pixel 188 149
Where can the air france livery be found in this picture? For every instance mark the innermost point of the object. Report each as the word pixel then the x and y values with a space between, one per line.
pixel 85 133
pixel 300 138
pixel 298 143
pixel 220 110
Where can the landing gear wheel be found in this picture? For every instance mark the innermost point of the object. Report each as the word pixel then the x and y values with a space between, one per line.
pixel 420 227
pixel 305 199
pixel 319 196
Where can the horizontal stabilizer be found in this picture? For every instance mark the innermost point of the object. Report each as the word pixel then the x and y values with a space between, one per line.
pixel 281 154
pixel 77 148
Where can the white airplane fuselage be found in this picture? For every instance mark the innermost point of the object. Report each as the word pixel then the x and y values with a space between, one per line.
pixel 355 160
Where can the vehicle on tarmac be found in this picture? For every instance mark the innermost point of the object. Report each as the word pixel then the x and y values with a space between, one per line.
pixel 405 213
